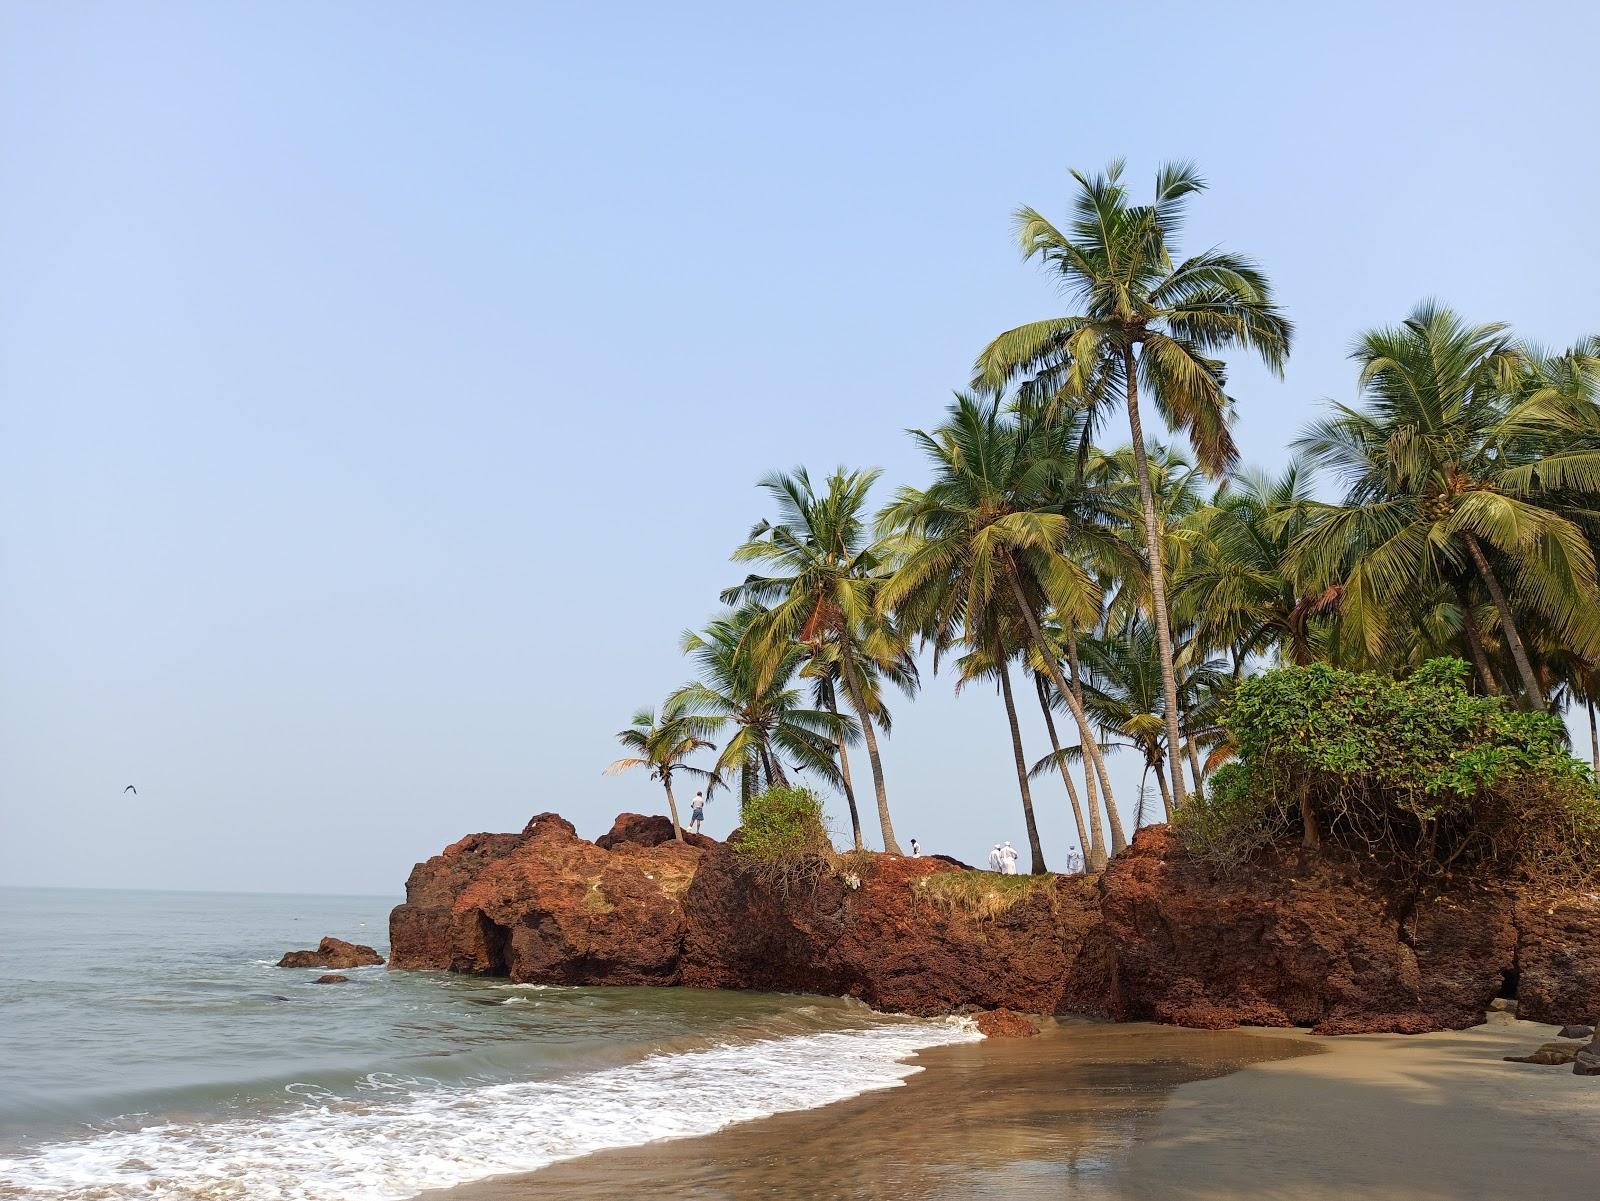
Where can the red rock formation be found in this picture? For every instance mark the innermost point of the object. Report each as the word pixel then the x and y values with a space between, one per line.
pixel 1006 1023
pixel 1295 942
pixel 1558 959
pixel 1289 941
pixel 335 953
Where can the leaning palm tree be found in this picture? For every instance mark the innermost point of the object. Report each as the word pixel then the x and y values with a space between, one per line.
pixel 748 695
pixel 1141 320
pixel 983 548
pixel 1445 483
pixel 661 748
pixel 825 574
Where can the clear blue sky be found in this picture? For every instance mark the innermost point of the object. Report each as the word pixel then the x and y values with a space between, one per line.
pixel 382 386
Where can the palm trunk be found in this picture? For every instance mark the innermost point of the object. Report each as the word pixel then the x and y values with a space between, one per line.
pixel 844 770
pixel 1480 660
pixel 1091 744
pixel 1519 653
pixel 1022 764
pixel 1158 575
pixel 672 806
pixel 1166 793
pixel 1090 850
pixel 852 684
pixel 1194 765
pixel 746 790
pixel 1594 741
pixel 1119 841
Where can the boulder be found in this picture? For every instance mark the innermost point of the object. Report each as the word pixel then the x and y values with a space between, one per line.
pixel 1587 1061
pixel 1576 1032
pixel 635 829
pixel 1007 1023
pixel 334 953
pixel 332 978
pixel 1549 1053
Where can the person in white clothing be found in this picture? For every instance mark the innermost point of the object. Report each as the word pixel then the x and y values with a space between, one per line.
pixel 915 849
pixel 996 861
pixel 1008 859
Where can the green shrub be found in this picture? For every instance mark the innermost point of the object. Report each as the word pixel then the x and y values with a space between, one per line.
pixel 784 825
pixel 1416 770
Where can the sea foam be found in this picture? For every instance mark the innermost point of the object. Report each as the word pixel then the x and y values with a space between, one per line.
pixel 400 1138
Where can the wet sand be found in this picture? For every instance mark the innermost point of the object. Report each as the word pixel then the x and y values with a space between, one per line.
pixel 1141 1113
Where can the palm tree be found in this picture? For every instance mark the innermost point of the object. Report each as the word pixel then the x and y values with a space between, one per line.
pixel 982 546
pixel 1125 696
pixel 823 591
pixel 1090 836
pixel 661 749
pixel 1142 320
pixel 1237 582
pixel 823 672
pixel 1445 482
pixel 746 687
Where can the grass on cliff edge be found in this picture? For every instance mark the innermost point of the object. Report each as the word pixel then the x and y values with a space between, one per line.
pixel 983 894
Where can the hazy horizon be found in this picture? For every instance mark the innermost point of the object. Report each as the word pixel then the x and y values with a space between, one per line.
pixel 382 388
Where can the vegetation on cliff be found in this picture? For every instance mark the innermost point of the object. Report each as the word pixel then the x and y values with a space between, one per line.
pixel 1137 588
pixel 1416 771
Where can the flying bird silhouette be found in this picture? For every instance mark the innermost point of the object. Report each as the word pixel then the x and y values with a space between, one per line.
pixel 130 788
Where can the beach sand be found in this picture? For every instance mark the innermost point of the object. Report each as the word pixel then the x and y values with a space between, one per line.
pixel 1142 1112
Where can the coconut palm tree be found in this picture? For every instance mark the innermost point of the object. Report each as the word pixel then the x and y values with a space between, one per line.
pixel 745 687
pixel 825 573
pixel 1445 482
pixel 661 748
pixel 982 547
pixel 1142 320
pixel 1237 582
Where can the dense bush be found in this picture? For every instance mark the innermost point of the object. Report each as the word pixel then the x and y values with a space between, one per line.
pixel 1417 772
pixel 783 825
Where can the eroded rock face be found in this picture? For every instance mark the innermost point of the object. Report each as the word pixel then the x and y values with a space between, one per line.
pixel 1558 959
pixel 548 907
pixel 1007 1023
pixel 1158 936
pixel 1295 942
pixel 893 942
pixel 334 953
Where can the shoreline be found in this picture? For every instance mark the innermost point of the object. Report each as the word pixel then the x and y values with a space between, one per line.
pixel 1133 1111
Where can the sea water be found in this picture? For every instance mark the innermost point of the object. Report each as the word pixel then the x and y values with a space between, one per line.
pixel 150 1048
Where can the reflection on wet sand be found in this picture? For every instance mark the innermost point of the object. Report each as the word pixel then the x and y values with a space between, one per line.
pixel 1050 1117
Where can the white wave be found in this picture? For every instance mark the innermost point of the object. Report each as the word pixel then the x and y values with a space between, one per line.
pixel 336 1149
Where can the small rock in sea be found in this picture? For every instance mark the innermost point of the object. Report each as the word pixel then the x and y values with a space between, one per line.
pixel 1007 1023
pixel 1576 1032
pixel 334 953
pixel 332 978
pixel 1550 1053
pixel 1503 1005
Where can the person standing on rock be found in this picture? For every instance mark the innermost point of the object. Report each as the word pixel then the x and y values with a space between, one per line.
pixel 997 861
pixel 1008 859
pixel 697 811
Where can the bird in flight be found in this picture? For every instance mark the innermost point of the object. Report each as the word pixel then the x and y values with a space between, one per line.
pixel 130 788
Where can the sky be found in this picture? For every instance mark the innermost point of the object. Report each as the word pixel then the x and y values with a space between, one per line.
pixel 382 386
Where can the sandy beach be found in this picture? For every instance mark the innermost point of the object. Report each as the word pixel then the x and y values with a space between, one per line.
pixel 1146 1112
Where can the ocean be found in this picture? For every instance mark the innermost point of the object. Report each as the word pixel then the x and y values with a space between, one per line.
pixel 149 1048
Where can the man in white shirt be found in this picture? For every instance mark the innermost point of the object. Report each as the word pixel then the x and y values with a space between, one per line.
pixel 996 861
pixel 1008 859
pixel 915 849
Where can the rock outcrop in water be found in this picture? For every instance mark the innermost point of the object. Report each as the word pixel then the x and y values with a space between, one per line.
pixel 334 953
pixel 1294 940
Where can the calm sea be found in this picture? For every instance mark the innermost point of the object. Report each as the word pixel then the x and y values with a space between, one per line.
pixel 150 1049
